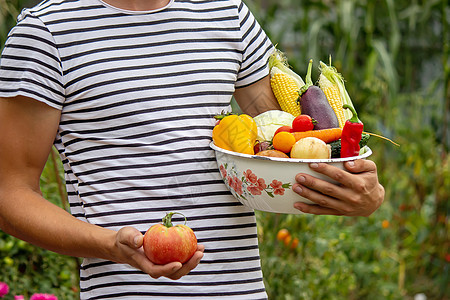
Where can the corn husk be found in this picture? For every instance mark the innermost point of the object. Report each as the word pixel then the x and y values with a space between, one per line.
pixel 335 77
pixel 279 60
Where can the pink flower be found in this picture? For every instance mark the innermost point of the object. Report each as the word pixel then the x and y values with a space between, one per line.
pixel 277 187
pixel 19 297
pixel 250 176
pixel 254 189
pixel 237 185
pixel 43 297
pixel 261 184
pixel 4 289
pixel 223 171
pixel 230 181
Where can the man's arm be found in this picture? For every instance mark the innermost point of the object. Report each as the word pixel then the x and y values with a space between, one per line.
pixel 27 132
pixel 359 192
pixel 256 98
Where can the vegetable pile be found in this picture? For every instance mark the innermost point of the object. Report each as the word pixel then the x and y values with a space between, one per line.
pixel 315 121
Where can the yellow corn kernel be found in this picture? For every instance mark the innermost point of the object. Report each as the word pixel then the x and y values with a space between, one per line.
pixel 333 95
pixel 286 91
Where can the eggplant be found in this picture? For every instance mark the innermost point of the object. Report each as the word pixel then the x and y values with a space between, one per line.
pixel 314 103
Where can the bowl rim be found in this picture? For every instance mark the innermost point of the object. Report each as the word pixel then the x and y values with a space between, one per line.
pixel 366 154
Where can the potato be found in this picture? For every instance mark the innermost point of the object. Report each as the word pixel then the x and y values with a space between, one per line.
pixel 272 153
pixel 311 148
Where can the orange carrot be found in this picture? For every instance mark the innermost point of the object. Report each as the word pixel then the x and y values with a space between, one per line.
pixel 327 135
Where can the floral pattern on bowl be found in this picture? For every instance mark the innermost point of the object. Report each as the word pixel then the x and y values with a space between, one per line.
pixel 248 184
pixel 265 183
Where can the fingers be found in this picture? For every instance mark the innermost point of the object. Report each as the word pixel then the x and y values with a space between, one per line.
pixel 316 189
pixel 167 270
pixel 187 267
pixel 359 175
pixel 181 270
pixel 325 195
pixel 316 209
pixel 341 176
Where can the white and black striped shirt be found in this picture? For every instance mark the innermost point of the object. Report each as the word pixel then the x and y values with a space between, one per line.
pixel 137 93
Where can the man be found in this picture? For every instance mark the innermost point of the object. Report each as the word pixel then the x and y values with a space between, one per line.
pixel 126 91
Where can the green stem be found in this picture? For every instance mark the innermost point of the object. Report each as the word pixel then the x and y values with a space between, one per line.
pixel 354 118
pixel 167 220
pixel 308 78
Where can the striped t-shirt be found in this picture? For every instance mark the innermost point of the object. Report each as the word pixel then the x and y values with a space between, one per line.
pixel 137 93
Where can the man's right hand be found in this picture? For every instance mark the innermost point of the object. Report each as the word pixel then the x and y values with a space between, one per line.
pixel 128 249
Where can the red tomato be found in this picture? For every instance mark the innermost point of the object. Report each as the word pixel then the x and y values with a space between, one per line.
pixel 165 243
pixel 303 123
pixel 283 128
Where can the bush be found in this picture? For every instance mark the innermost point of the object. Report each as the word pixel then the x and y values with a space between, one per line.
pixel 336 258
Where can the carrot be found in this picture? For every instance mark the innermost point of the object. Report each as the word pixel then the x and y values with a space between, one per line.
pixel 327 135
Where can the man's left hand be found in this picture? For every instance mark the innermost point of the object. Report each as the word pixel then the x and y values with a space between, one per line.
pixel 358 192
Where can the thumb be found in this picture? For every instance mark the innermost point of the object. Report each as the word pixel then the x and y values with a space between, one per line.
pixel 130 237
pixel 360 166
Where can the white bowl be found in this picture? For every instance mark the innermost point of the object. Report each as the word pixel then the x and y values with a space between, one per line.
pixel 265 183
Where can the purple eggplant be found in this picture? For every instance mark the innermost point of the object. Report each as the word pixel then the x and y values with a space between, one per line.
pixel 314 103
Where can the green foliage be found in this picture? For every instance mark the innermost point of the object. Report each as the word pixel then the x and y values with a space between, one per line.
pixel 9 9
pixel 399 81
pixel 28 269
pixel 336 258
pixel 394 56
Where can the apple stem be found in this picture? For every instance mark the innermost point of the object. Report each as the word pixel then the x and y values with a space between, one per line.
pixel 167 220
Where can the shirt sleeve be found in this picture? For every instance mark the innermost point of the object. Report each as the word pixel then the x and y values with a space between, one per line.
pixel 256 46
pixel 30 65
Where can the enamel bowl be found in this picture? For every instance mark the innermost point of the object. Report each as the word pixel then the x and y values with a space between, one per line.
pixel 265 183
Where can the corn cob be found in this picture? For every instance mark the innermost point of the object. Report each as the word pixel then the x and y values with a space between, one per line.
pixel 285 83
pixel 285 90
pixel 336 79
pixel 331 91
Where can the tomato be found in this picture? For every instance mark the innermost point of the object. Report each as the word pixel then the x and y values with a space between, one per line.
pixel 283 128
pixel 303 123
pixel 294 243
pixel 165 243
pixel 282 234
pixel 287 241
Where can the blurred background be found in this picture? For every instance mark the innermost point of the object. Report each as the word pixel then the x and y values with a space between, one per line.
pixel 394 56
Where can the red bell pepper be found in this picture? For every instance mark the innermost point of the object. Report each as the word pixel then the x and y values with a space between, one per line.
pixel 351 135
